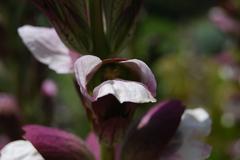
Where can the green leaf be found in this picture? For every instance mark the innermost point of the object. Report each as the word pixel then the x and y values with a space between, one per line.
pixel 70 19
pixel 120 16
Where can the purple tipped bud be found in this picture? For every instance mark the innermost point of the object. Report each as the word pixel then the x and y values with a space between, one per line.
pixel 147 138
pixel 54 144
pixel 10 120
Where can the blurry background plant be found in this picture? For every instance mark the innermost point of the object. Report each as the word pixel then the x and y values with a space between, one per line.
pixel 193 59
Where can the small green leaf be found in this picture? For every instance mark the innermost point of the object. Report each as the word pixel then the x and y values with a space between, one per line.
pixel 120 18
pixel 70 19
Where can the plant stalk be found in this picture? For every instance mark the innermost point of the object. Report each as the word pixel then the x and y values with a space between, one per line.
pixel 100 45
pixel 107 152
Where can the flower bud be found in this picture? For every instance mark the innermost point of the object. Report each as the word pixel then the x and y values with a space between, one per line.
pixel 110 91
pixel 54 144
pixel 49 88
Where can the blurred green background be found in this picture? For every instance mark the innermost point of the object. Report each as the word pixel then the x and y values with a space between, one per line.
pixel 193 60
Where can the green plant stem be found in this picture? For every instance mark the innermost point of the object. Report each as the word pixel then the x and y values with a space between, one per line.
pixel 107 152
pixel 100 45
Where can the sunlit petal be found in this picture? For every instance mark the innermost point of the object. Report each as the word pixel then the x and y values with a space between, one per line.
pixel 47 47
pixel 20 150
pixel 124 91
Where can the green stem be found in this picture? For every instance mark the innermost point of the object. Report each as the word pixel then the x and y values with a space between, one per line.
pixel 107 152
pixel 100 45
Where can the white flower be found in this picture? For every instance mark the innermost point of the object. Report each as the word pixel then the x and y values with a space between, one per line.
pixel 194 126
pixel 141 91
pixel 46 47
pixel 20 150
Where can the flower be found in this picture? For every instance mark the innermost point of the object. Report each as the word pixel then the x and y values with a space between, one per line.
pixel 167 132
pixel 46 143
pixel 47 48
pixel 20 150
pixel 54 144
pixel 110 98
pixel 40 143
pixel 49 88
pixel 223 21
pixel 195 125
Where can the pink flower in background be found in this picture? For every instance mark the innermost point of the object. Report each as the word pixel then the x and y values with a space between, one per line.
pixel 223 21
pixel 49 88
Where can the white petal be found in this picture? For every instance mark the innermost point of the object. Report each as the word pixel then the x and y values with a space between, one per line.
pixel 193 150
pixel 147 77
pixel 194 126
pixel 46 46
pixel 196 123
pixel 124 91
pixel 84 66
pixel 20 150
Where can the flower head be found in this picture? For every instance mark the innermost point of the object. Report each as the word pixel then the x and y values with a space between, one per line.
pixel 109 97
